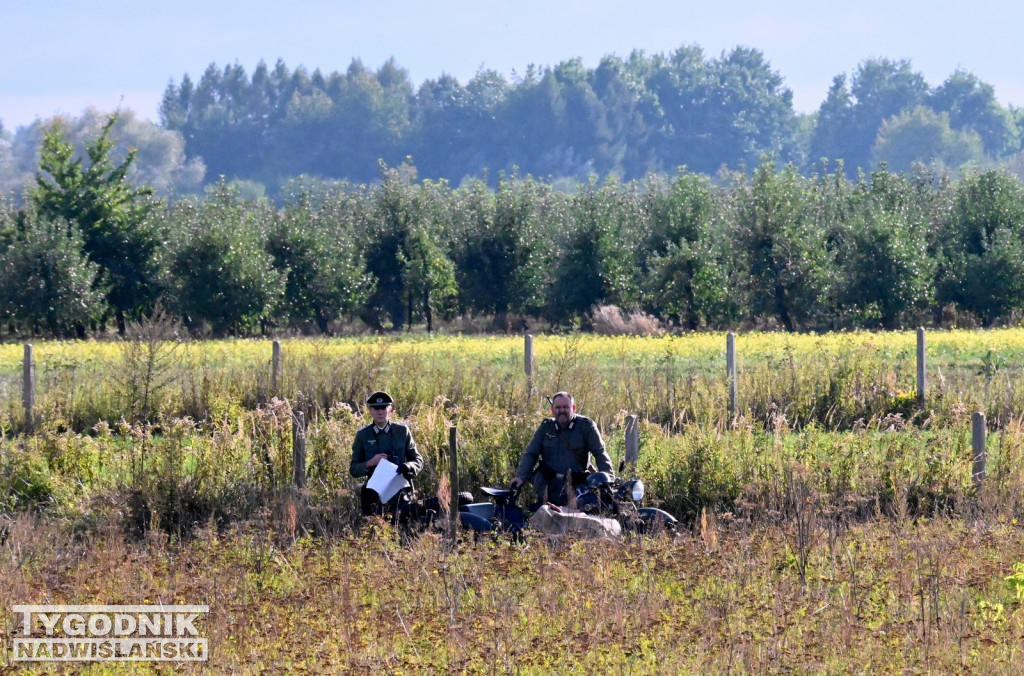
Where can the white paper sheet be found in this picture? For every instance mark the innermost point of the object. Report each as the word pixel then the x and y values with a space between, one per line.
pixel 386 480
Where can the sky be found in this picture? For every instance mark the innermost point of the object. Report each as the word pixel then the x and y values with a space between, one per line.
pixel 63 56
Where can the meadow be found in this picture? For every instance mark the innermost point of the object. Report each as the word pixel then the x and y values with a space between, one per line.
pixel 831 526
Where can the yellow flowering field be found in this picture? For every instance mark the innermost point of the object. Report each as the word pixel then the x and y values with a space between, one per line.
pixel 948 347
pixel 835 378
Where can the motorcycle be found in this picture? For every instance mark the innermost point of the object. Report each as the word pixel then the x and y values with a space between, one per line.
pixel 601 494
pixel 413 516
pixel 595 494
pixel 500 514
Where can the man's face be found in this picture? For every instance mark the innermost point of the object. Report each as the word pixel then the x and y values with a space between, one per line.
pixel 563 410
pixel 380 415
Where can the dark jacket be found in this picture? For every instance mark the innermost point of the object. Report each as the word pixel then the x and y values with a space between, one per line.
pixel 395 440
pixel 555 451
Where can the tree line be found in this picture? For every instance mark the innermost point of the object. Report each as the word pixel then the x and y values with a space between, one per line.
pixel 627 117
pixel 89 250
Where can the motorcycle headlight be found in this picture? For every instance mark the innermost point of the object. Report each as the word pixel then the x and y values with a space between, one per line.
pixel 636 490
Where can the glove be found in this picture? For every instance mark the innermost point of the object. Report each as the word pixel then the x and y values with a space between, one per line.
pixel 406 470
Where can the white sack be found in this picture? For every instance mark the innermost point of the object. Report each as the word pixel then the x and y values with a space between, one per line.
pixel 567 522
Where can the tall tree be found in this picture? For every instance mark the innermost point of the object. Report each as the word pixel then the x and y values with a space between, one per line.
pixel 724 112
pixel 370 118
pixel 597 262
pixel 429 275
pixel 115 217
pixel 887 272
pixel 972 105
pixel 385 237
pixel 628 113
pixel 849 119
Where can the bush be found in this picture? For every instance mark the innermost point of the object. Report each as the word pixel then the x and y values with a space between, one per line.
pixel 25 480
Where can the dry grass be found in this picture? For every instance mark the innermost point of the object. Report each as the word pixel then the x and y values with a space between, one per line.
pixel 609 320
pixel 931 597
pixel 831 529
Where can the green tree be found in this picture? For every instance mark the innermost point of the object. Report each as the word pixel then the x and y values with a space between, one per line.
pixel 790 267
pixel 314 248
pixel 724 112
pixel 887 270
pixel 429 277
pixel 8 168
pixel 972 105
pixel 628 112
pixel 46 279
pixel 114 216
pixel 688 259
pixel 923 136
pixel 541 117
pixel 405 249
pixel 982 269
pixel 849 119
pixel 384 237
pixel 369 120
pixel 222 275
pixel 453 129
pixel 597 243
pixel 429 273
pixel 501 251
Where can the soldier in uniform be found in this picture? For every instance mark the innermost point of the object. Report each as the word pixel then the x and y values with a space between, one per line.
pixel 561 446
pixel 383 439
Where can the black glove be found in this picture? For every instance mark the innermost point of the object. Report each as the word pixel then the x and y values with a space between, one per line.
pixel 406 470
pixel 577 478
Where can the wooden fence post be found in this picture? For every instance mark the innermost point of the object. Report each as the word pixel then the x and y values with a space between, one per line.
pixel 299 448
pixel 453 481
pixel 978 448
pixel 275 368
pixel 730 371
pixel 28 388
pixel 632 440
pixel 528 366
pixel 922 373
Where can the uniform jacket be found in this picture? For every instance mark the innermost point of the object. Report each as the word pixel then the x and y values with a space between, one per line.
pixel 395 440
pixel 558 450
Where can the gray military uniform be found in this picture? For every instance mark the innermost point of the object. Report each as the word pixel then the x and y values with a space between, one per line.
pixel 555 451
pixel 395 440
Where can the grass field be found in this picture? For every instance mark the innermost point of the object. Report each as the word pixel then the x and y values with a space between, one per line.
pixel 832 526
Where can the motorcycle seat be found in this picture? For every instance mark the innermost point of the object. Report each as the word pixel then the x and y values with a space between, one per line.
pixel 497 492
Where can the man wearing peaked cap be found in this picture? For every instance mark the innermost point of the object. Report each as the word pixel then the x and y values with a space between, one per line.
pixel 383 439
pixel 379 399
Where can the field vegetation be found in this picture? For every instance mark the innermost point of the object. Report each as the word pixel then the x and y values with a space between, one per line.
pixel 87 252
pixel 832 525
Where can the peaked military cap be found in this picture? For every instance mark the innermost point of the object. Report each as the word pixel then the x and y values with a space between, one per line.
pixel 379 399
